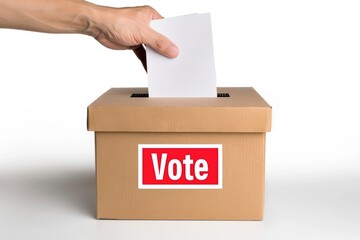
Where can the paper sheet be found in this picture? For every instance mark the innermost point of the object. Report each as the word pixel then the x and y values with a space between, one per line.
pixel 192 73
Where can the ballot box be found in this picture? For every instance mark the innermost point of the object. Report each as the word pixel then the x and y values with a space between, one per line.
pixel 180 158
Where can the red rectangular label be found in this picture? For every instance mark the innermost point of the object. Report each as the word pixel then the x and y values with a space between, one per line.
pixel 180 166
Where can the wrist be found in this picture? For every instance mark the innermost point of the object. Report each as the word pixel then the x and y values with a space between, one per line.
pixel 90 20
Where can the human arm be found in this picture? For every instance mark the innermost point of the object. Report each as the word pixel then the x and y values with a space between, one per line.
pixel 115 28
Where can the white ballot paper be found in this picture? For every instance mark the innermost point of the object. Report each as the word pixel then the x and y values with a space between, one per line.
pixel 192 73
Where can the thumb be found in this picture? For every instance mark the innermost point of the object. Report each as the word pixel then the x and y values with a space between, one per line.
pixel 161 44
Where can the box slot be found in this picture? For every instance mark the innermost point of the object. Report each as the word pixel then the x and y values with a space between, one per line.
pixel 146 95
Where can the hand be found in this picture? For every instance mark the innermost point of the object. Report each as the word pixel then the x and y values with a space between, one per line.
pixel 128 28
pixel 115 28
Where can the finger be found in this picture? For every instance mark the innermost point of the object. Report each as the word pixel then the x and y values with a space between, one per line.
pixel 141 55
pixel 161 44
pixel 109 44
pixel 154 14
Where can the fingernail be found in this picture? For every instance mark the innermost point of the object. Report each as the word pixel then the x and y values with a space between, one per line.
pixel 172 51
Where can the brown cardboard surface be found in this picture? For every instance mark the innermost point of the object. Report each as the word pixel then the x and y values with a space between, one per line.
pixel 122 123
pixel 243 111
pixel 241 198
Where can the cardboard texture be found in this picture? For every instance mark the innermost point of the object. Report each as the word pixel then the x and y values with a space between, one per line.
pixel 238 122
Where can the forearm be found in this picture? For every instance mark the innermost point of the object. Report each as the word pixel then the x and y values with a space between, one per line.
pixel 115 28
pixel 52 16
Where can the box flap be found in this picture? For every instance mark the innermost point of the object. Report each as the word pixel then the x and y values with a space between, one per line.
pixel 116 111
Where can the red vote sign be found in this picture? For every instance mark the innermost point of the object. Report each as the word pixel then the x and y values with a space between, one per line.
pixel 180 166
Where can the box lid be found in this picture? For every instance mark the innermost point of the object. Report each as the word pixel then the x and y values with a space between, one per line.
pixel 116 111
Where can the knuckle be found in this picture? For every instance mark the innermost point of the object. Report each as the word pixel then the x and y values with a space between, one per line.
pixel 159 44
pixel 148 7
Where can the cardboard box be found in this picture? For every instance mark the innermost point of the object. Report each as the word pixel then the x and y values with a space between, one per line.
pixel 214 169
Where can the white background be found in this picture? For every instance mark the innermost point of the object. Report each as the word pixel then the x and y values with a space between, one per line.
pixel 303 57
